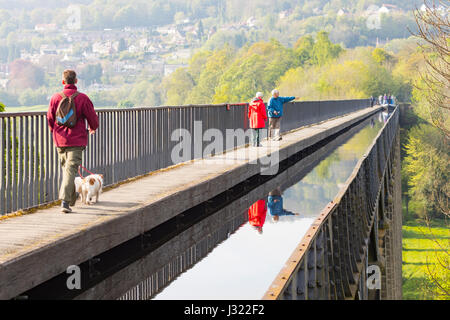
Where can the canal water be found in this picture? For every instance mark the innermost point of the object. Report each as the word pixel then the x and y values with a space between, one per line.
pixel 243 264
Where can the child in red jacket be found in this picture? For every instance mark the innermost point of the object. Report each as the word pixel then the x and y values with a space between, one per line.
pixel 257 116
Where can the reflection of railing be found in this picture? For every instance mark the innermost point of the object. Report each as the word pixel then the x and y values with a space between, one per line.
pixel 128 143
pixel 183 259
pixel 331 260
pixel 158 268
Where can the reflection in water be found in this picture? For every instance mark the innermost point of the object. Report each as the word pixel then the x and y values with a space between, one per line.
pixel 383 117
pixel 228 271
pixel 257 215
pixel 275 205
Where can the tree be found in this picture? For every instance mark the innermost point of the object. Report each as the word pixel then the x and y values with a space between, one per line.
pixel 8 98
pixel 427 166
pixel 126 16
pixel 122 45
pixel 179 17
pixel 145 93
pixel 255 69
pixel 381 56
pixel 30 97
pixel 200 30
pixel 24 74
pixel 197 63
pixel 2 107
pixel 91 73
pixel 304 49
pixel 324 50
pixel 434 31
pixel 178 86
pixel 215 66
pixel 125 104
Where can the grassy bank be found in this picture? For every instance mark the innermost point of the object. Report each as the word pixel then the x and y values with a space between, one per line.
pixel 420 253
pixel 27 108
pixel 39 108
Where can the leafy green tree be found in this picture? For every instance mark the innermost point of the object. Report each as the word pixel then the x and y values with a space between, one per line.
pixel 324 50
pixel 221 38
pixel 125 104
pixel 145 93
pixel 178 86
pixel 200 30
pixel 197 62
pixel 214 67
pixel 380 81
pixel 30 97
pixel 303 48
pixel 8 98
pixel 91 73
pixel 100 99
pixel 2 107
pixel 255 69
pixel 381 56
pixel 427 166
pixel 122 45
pixel 125 16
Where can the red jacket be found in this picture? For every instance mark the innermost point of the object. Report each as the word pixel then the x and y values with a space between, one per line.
pixel 257 114
pixel 257 213
pixel 76 136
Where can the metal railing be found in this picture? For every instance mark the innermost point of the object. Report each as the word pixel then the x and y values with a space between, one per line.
pixel 332 259
pixel 127 144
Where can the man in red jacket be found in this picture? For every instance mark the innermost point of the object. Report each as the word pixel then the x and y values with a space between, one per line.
pixel 71 142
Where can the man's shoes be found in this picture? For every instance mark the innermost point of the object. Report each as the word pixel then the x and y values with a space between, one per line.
pixel 65 208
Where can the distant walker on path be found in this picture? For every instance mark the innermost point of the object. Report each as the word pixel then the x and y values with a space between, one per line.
pixel 275 112
pixel 67 115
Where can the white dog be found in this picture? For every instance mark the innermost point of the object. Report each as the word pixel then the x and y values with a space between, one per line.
pixel 89 187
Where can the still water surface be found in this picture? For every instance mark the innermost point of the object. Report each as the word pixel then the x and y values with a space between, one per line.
pixel 245 264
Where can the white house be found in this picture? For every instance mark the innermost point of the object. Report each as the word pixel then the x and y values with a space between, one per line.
pixel 4 83
pixel 45 27
pixel 384 9
pixel 133 49
pixel 342 12
pixel 251 22
pixel 102 48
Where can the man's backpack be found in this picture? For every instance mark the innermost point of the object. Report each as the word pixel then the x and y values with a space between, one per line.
pixel 66 113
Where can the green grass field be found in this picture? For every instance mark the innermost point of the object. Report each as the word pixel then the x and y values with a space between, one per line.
pixel 39 108
pixel 420 251
pixel 27 109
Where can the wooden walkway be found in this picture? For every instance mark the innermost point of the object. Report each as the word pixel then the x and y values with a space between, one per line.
pixel 39 246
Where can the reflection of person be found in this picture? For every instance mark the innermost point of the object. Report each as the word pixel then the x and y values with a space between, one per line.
pixel 257 214
pixel 275 205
